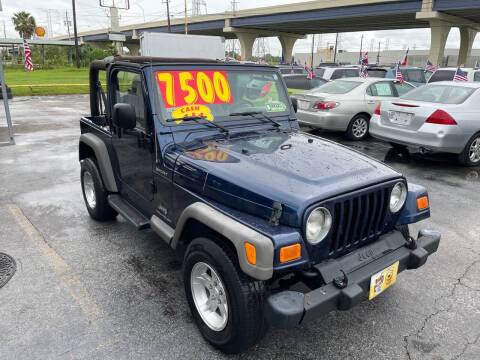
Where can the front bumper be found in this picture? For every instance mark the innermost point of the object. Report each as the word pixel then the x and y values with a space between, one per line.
pixel 287 309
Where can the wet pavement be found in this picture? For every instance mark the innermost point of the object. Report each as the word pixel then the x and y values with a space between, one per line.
pixel 89 290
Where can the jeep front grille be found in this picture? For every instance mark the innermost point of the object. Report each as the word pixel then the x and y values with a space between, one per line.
pixel 359 219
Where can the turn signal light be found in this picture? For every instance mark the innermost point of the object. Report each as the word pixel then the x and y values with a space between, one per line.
pixel 251 253
pixel 422 203
pixel 442 118
pixel 325 105
pixel 377 109
pixel 289 253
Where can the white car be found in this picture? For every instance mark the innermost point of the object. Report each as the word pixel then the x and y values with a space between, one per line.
pixel 346 104
pixel 447 74
pixel 333 72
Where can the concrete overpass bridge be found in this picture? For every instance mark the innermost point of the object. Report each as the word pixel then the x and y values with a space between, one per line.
pixel 293 21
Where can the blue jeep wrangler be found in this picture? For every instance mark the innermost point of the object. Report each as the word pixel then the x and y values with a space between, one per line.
pixel 275 226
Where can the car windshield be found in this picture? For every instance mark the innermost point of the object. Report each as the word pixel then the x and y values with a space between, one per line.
pixel 414 75
pixel 444 94
pixel 215 94
pixel 337 87
pixel 286 71
pixel 378 73
pixel 443 75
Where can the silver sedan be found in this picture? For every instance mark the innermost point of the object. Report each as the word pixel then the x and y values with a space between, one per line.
pixel 441 116
pixel 346 104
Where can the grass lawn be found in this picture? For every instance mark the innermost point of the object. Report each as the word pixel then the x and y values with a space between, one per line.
pixel 68 80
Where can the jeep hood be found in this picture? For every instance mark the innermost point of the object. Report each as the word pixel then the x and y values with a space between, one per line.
pixel 251 172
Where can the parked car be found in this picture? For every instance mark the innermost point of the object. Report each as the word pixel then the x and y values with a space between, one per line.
pixel 288 69
pixel 346 104
pixel 333 73
pixel 447 74
pixel 302 82
pixel 377 71
pixel 416 76
pixel 442 117
pixel 274 226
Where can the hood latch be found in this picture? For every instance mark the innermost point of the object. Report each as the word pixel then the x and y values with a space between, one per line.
pixel 276 213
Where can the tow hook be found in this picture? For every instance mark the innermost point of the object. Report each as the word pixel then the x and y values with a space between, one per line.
pixel 341 282
pixel 411 243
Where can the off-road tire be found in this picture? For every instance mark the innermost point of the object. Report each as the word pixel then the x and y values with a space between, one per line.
pixel 404 230
pixel 464 156
pixel 351 131
pixel 102 211
pixel 245 297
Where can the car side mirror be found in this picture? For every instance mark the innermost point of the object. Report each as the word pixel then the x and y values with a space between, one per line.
pixel 295 104
pixel 124 116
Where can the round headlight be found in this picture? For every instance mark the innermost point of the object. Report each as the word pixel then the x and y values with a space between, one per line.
pixel 398 197
pixel 318 225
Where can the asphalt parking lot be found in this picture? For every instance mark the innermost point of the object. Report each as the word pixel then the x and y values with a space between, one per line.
pixel 89 290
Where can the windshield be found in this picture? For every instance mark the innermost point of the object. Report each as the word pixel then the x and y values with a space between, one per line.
pixel 445 94
pixel 337 87
pixel 414 75
pixel 285 71
pixel 443 75
pixel 216 94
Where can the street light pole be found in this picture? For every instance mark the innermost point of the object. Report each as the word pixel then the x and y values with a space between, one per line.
pixel 168 15
pixel 186 26
pixel 77 57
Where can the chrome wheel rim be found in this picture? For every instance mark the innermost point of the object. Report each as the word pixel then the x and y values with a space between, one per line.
pixel 474 152
pixel 89 189
pixel 209 295
pixel 359 127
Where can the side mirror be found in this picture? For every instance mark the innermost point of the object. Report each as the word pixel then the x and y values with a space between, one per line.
pixel 124 116
pixel 295 104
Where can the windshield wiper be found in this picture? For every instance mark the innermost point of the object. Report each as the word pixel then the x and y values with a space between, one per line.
pixel 253 113
pixel 196 119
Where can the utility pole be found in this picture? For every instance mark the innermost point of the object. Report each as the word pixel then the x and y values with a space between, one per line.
pixel 67 22
pixel 335 51
pixel 313 45
pixel 378 53
pixel 168 15
pixel 361 46
pixel 186 26
pixel 77 56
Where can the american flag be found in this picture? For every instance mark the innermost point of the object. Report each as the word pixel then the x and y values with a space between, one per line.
pixel 306 66
pixel 405 59
pixel 430 66
pixel 364 60
pixel 310 75
pixel 460 75
pixel 363 71
pixel 399 75
pixel 28 56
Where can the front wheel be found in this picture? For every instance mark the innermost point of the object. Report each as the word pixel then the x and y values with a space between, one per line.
pixel 470 156
pixel 358 127
pixel 226 304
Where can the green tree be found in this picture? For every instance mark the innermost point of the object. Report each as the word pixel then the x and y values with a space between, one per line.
pixel 24 24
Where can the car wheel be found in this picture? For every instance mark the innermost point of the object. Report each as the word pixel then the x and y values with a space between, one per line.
pixel 470 156
pixel 94 192
pixel 227 305
pixel 358 127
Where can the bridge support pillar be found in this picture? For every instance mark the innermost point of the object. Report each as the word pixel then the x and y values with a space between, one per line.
pixel 133 48
pixel 467 36
pixel 246 44
pixel 287 43
pixel 439 31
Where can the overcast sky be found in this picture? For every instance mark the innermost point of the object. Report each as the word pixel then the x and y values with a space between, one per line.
pixel 91 16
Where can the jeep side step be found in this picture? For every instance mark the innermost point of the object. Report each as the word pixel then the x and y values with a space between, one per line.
pixel 128 212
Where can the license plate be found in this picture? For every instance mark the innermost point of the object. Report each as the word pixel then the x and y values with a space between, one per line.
pixel 383 280
pixel 302 104
pixel 401 118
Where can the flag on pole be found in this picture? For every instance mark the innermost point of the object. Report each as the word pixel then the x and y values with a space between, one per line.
pixel 430 66
pixel 363 72
pixel 364 60
pixel 405 59
pixel 310 75
pixel 460 75
pixel 28 56
pixel 306 66
pixel 399 75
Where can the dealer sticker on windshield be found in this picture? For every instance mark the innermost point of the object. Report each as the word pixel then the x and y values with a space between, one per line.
pixel 383 280
pixel 275 106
